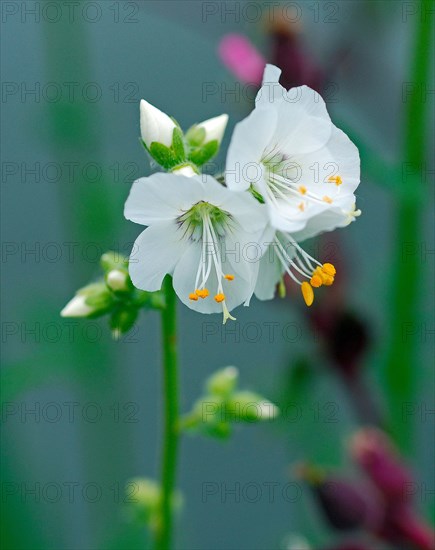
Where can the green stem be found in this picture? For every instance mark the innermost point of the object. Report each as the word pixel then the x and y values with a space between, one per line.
pixel 170 441
pixel 401 367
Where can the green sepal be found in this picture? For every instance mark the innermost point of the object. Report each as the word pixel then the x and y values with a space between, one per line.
pixel 163 155
pixel 100 302
pixel 178 146
pixel 256 195
pixel 195 136
pixel 122 320
pixel 203 154
pixel 223 382
pixel 149 300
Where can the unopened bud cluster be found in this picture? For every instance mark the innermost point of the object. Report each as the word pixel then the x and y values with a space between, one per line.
pixel 145 499
pixel 224 405
pixel 113 295
pixel 175 151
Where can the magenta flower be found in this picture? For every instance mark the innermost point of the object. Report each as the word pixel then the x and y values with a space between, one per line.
pixel 241 57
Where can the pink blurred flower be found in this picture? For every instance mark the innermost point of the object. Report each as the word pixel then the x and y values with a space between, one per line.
pixel 376 455
pixel 241 57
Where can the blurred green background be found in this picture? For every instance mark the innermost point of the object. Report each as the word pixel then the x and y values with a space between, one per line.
pixel 82 414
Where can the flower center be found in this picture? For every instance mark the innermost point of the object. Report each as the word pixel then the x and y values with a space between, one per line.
pixel 208 224
pixel 296 260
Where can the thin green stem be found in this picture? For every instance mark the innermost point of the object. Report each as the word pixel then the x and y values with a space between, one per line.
pixel 170 438
pixel 401 367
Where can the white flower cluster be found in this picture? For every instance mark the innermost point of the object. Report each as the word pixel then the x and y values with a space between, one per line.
pixel 290 175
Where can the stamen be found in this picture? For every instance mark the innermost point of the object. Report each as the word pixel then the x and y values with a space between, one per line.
pixel 327 199
pixel 302 189
pixel 335 179
pixel 193 297
pixel 301 206
pixel 316 281
pixel 202 293
pixel 226 313
pixel 307 293
pixel 229 277
pixel 329 269
pixel 220 297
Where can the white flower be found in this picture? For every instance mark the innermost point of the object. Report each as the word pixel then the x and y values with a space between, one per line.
pixel 214 128
pixel 77 307
pixel 155 126
pixel 289 151
pixel 304 168
pixel 199 232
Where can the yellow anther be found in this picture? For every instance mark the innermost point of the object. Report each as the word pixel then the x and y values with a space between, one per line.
pixel 326 278
pixel 307 293
pixel 219 297
pixel 302 189
pixel 193 297
pixel 316 281
pixel 335 179
pixel 329 269
pixel 229 277
pixel 202 293
pixel 301 206
pixel 327 199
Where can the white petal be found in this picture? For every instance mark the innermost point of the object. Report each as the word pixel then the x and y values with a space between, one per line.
pixel 186 170
pixel 161 197
pixel 248 143
pixel 155 254
pixel 236 291
pixel 326 221
pixel 249 213
pixel 303 123
pixel 155 125
pixel 214 128
pixel 340 157
pixel 271 91
pixel 77 307
pixel 269 275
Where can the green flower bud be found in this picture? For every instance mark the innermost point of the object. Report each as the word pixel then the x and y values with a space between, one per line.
pixel 122 320
pixel 118 280
pixel 223 382
pixel 246 406
pixel 113 260
pixel 90 301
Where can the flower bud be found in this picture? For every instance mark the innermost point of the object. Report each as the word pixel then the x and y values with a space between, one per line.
pixel 118 280
pixel 122 320
pixel 214 128
pixel 241 57
pixel 223 382
pixel 375 454
pixel 155 126
pixel 77 307
pixel 403 527
pixel 113 260
pixel 246 406
pixel 90 301
pixel 346 505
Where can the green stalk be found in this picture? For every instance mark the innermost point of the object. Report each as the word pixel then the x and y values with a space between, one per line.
pixel 401 364
pixel 170 438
